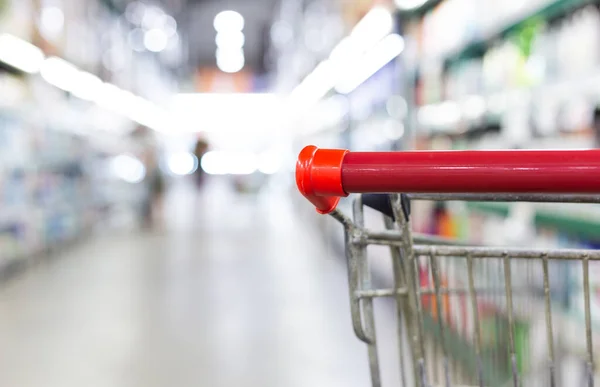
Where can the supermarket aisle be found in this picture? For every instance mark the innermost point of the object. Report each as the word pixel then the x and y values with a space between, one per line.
pixel 230 293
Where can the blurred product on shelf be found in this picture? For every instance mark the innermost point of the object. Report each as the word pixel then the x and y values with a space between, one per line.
pixel 536 78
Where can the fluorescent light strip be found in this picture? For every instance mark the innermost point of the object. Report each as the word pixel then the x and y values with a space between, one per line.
pixel 316 85
pixel 60 73
pixel 20 54
pixel 87 86
pixel 370 30
pixel 382 54
pixel 407 5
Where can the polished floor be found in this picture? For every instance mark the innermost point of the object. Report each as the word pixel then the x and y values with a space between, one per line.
pixel 231 291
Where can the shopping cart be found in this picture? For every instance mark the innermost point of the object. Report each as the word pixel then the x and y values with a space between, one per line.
pixel 430 271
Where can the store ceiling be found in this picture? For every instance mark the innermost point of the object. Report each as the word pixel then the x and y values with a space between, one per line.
pixel 198 16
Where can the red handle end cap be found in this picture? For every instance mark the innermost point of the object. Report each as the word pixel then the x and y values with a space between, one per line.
pixel 319 177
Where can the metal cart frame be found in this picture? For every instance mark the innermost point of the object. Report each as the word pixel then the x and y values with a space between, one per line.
pixel 322 176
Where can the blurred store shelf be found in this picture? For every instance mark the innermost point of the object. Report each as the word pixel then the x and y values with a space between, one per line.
pixel 531 11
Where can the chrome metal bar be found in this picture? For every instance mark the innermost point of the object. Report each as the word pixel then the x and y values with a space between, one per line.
pixel 420 239
pixel 374 293
pixel 381 293
pixel 549 330
pixel 473 294
pixel 343 219
pixel 588 321
pixel 414 318
pixel 458 250
pixel 382 237
pixel 500 252
pixel 368 319
pixel 438 302
pixel 401 302
pixel 434 369
pixel 511 326
pixel 414 265
pixel 354 286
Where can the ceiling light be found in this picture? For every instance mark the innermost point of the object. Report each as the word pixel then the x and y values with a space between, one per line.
pixel 52 20
pixel 183 163
pixel 343 50
pixel 316 85
pixel 230 39
pixel 135 12
pixel 407 5
pixel 110 97
pixel 372 28
pixel 169 25
pixel 229 163
pixel 385 51
pixel 156 40
pixel 20 54
pixel 228 21
pixel 376 24
pixel 333 110
pixel 230 60
pixel 128 168
pixel 269 163
pixel 214 163
pixel 60 73
pixel 153 17
pixel 66 76
pixel 131 106
pixel 259 112
pixel 148 114
pixel 124 102
pixel 87 86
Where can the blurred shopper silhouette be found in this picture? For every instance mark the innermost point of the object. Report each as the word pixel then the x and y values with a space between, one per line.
pixel 200 150
pixel 155 189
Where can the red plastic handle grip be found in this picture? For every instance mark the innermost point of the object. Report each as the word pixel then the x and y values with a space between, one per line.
pixel 514 171
pixel 319 177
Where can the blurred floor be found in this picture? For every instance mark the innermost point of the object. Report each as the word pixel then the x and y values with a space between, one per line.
pixel 233 291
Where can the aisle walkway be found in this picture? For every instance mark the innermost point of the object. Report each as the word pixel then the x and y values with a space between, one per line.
pixel 231 293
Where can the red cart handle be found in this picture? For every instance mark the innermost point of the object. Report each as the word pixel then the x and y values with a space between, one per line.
pixel 325 175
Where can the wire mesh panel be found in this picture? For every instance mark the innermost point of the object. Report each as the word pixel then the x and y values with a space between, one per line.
pixel 472 315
